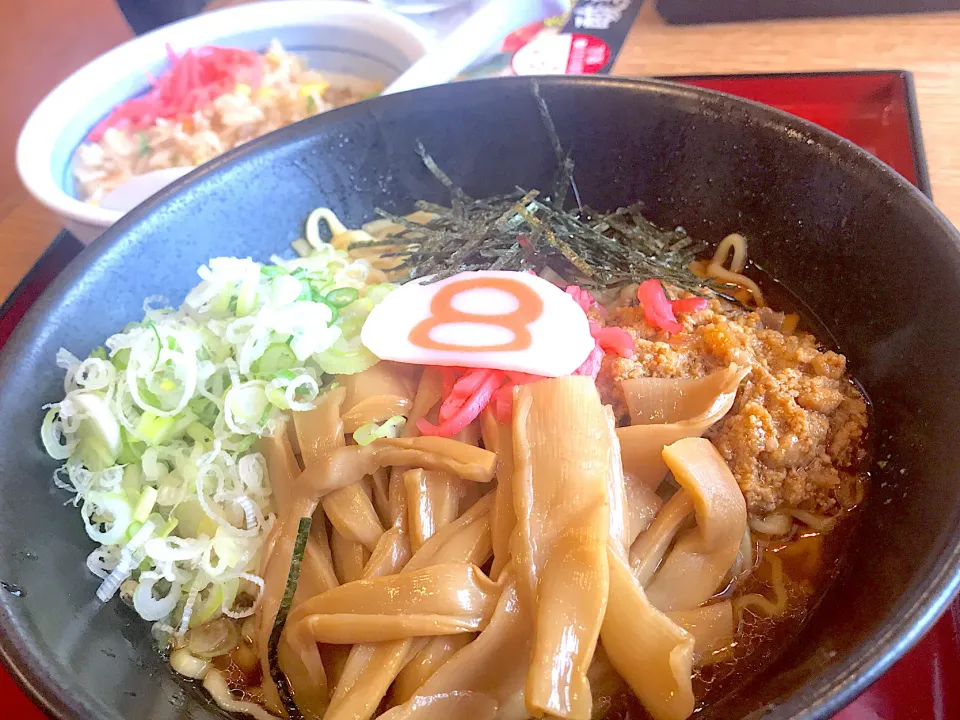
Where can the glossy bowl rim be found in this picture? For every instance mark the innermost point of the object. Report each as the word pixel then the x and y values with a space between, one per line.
pixel 910 618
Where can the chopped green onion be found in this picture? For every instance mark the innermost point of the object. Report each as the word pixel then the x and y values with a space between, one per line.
pixel 121 359
pixel 244 407
pixel 200 434
pixel 334 311
pixel 230 590
pixel 148 396
pixel 147 605
pixel 168 527
pixel 99 430
pixel 205 410
pixel 272 271
pixel 131 449
pixel 133 529
pixel 184 398
pixel 208 606
pixel 94 454
pixel 246 443
pixel 132 480
pixel 102 509
pixel 354 316
pixel 247 298
pixel 366 434
pixel 323 286
pixel 222 303
pixel 199 405
pixel 306 291
pixel 275 358
pixel 154 429
pixel 143 144
pixel 285 289
pixel 152 325
pixel 277 396
pixel 378 292
pixel 144 506
pixel 346 361
pixel 55 442
pixel 183 421
pixel 341 297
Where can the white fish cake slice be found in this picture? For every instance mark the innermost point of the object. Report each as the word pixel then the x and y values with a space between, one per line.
pixel 487 319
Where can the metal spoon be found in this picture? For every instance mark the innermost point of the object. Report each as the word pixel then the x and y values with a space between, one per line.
pixel 474 36
pixel 134 191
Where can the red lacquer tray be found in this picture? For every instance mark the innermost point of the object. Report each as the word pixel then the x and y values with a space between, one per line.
pixel 877 111
pixel 874 109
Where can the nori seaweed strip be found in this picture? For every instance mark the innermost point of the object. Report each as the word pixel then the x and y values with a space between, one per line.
pixel 645 262
pixel 559 244
pixel 438 173
pixel 511 258
pixel 563 182
pixel 549 124
pixel 518 231
pixel 564 178
pixel 458 197
pixel 293 578
pixel 514 215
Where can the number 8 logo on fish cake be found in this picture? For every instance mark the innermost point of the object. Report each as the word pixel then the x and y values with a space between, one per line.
pixel 483 319
pixel 443 313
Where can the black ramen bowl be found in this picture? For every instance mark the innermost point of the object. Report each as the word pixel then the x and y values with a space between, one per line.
pixel 869 255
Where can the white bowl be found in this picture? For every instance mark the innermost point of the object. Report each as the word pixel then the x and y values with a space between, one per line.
pixel 342 38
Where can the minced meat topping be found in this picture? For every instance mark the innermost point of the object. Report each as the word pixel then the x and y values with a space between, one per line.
pixel 795 432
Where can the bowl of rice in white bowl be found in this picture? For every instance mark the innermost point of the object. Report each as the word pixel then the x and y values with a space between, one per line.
pixel 183 94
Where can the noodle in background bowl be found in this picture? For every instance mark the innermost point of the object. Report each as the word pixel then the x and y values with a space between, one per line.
pixel 343 39
pixel 824 218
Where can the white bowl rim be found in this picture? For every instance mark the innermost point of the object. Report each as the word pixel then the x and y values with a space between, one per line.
pixel 37 141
